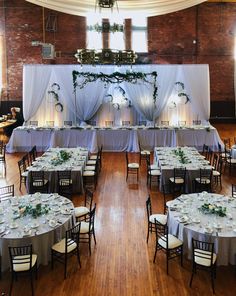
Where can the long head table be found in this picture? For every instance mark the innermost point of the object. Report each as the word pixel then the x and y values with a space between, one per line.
pixel 112 139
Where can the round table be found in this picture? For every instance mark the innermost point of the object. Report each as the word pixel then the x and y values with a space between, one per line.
pixel 53 215
pixel 187 220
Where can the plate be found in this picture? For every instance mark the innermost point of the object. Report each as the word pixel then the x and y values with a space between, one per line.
pixel 1 221
pixel 52 223
pixel 2 229
pixel 183 219
pixel 208 230
pixel 56 209
pixel 34 225
pixel 194 220
pixel 66 201
pixel 66 211
pixel 13 225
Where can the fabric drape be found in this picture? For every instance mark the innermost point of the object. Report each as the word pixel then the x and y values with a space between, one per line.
pixel 127 8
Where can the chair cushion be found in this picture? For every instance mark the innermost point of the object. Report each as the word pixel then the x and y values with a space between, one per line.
pixel 177 180
pixel 65 182
pixel 159 217
pixel 60 246
pixel 233 160
pixel 93 157
pixel 81 211
pixel 215 173
pixel 24 174
pixel 145 152
pixel 84 227
pixel 133 165
pixel 40 182
pixel 205 257
pixel 203 180
pixel 173 242
pixel 24 266
pixel 154 172
pixel 91 162
pixel 88 173
pixel 90 168
pixel 154 167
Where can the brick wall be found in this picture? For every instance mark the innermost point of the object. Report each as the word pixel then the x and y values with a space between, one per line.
pixel 201 34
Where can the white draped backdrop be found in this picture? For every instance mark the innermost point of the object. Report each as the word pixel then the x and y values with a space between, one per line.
pixel 91 103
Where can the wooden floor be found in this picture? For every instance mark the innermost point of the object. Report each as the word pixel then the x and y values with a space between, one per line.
pixel 121 262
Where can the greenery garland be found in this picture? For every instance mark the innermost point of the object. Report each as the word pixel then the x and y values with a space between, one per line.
pixel 208 208
pixel 116 77
pixel 182 94
pixel 34 211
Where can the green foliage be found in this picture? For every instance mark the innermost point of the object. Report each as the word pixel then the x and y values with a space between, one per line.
pixel 181 155
pixel 208 208
pixel 35 212
pixel 115 78
pixel 61 157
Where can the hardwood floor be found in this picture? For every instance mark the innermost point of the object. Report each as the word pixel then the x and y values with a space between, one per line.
pixel 121 262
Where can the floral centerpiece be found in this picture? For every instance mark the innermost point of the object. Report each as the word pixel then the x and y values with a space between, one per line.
pixel 34 211
pixel 61 157
pixel 182 157
pixel 208 208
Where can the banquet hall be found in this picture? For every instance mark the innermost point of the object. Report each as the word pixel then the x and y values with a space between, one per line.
pixel 126 157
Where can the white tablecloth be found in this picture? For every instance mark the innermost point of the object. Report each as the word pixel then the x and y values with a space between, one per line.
pixel 222 230
pixel 76 164
pixel 113 139
pixel 167 160
pixel 40 232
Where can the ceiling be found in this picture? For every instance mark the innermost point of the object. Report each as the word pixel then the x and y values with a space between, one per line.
pixel 128 8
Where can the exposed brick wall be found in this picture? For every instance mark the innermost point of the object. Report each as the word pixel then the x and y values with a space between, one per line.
pixel 201 34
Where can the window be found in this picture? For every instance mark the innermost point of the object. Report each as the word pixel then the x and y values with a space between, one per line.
pixel 96 39
pixel 139 34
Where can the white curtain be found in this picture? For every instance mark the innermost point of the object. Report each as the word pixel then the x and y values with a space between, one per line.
pixel 166 79
pixel 128 8
pixel 89 101
pixel 35 83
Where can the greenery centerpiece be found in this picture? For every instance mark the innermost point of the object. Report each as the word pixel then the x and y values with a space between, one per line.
pixel 208 208
pixel 61 157
pixel 181 155
pixel 34 211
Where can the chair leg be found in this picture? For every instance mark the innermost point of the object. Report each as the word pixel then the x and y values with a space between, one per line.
pixel 89 244
pixel 78 256
pixel 11 285
pixel 65 266
pixel 148 233
pixel 154 259
pixel 94 237
pixel 31 283
pixel 181 257
pixel 212 281
pixel 52 265
pixel 167 262
pixel 191 280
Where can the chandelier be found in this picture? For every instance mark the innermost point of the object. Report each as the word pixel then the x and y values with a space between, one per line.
pixel 105 3
pixel 106 56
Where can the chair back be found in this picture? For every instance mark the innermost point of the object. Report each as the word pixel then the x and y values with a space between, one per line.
pixel 38 182
pixel 167 195
pixel 64 177
pixel 92 122
pixel 50 123
pixel 179 173
pixel 165 122
pixel 182 122
pixel 92 218
pixel 109 123
pixel 161 233
pixel 6 192
pixel 197 122
pixel 20 255
pixel 88 199
pixel 148 207
pixel 234 190
pixel 142 122
pixel 33 154
pixel 205 174
pixel 22 165
pixel 68 123
pixel 33 123
pixel 215 162
pixel 125 122
pixel 72 236
pixel 202 250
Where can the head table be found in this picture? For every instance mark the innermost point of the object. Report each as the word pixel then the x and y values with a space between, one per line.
pixel 205 217
pixel 123 138
pixel 38 219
